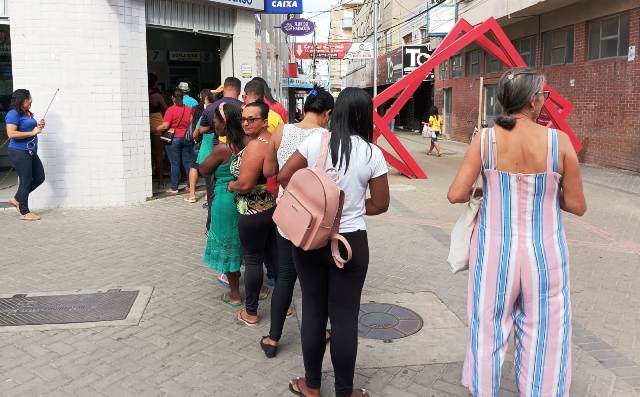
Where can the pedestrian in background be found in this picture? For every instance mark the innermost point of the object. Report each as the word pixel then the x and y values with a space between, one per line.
pixel 194 126
pixel 255 205
pixel 186 99
pixel 329 292
pixel 436 123
pixel 271 101
pixel 23 131
pixel 223 252
pixel 180 153
pixel 519 258
pixel 285 141
pixel 157 107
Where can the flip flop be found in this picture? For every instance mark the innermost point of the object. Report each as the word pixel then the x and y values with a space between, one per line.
pixel 15 204
pixel 190 199
pixel 298 392
pixel 265 296
pixel 227 300
pixel 247 323
pixel 365 392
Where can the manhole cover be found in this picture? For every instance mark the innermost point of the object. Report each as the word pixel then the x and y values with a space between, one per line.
pixel 385 321
pixel 111 305
pixel 401 188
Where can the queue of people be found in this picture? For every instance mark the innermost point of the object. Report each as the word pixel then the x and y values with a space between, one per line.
pixel 518 256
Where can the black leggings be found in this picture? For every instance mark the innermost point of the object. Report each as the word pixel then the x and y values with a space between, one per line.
pixel 329 292
pixel 283 292
pixel 257 235
pixel 30 173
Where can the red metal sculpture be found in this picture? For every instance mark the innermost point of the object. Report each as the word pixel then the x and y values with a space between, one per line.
pixel 557 108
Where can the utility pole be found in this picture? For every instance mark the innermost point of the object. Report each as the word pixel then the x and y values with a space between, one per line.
pixel 315 53
pixel 375 47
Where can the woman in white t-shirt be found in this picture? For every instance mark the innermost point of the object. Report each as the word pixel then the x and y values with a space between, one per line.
pixel 327 291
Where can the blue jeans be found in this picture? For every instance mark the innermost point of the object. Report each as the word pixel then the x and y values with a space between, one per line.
pixel 180 153
pixel 30 173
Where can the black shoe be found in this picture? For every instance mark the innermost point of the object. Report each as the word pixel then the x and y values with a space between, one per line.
pixel 269 350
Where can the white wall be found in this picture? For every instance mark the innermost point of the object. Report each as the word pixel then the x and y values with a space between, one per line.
pixel 95 148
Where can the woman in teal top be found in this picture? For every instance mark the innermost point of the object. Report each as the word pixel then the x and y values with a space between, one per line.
pixel 223 252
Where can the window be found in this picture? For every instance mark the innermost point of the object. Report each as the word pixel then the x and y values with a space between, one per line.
pixel 609 37
pixel 444 70
pixel 347 22
pixel 473 63
pixel 389 40
pixel 492 64
pixel 492 108
pixel 448 110
pixel 526 47
pixel 456 66
pixel 423 35
pixel 558 46
pixel 407 38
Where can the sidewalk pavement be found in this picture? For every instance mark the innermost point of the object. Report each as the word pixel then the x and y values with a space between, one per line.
pixel 188 342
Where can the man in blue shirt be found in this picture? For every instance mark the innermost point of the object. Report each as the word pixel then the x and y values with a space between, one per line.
pixel 187 100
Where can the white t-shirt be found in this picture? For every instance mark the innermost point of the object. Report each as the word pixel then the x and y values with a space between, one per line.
pixel 366 163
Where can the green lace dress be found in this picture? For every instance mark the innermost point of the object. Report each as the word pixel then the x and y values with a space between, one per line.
pixel 223 252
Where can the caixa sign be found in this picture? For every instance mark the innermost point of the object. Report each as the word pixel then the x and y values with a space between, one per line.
pixel 283 6
pixel 413 57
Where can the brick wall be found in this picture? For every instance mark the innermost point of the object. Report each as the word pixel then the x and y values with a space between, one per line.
pixel 95 148
pixel 605 94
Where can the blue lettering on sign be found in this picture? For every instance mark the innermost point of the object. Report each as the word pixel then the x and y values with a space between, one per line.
pixel 283 6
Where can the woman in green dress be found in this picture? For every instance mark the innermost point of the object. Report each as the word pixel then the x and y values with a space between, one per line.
pixel 223 252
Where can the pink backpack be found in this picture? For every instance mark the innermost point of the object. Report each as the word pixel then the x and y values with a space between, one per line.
pixel 310 209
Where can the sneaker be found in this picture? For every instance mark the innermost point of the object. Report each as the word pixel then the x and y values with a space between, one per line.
pixel 222 279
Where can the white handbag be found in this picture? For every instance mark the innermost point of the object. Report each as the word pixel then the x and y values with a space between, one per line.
pixel 463 229
pixel 461 235
pixel 426 131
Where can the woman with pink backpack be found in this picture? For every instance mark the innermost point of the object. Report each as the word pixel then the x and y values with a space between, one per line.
pixel 285 141
pixel 358 165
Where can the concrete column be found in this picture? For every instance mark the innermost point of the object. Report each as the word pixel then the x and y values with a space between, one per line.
pixel 244 44
pixel 95 149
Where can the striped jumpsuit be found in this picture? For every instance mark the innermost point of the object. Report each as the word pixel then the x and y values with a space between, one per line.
pixel 519 279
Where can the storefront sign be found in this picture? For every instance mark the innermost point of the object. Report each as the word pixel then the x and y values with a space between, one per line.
pixel 184 56
pixel 390 67
pixel 334 50
pixel 246 71
pixel 413 57
pixel 283 6
pixel 299 82
pixel 250 4
pixel 360 51
pixel 297 27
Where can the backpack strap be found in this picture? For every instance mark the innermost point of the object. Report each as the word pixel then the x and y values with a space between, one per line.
pixel 324 153
pixel 335 250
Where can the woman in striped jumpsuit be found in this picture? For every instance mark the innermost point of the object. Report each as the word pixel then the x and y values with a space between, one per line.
pixel 519 260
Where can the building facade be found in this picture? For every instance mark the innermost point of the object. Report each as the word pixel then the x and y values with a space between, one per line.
pixel 586 50
pixel 96 149
pixel 408 33
pixel 341 30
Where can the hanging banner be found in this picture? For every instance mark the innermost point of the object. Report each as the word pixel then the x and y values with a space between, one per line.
pixel 283 6
pixel 334 50
pixel 297 27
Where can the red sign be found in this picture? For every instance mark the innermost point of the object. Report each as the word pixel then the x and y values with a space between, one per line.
pixel 323 50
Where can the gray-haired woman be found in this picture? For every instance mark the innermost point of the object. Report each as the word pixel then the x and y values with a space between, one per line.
pixel 519 258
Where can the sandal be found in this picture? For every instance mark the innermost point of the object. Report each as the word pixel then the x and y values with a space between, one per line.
pixel 363 392
pixel 269 350
pixel 190 199
pixel 296 382
pixel 228 301
pixel 264 295
pixel 247 322
pixel 171 191
pixel 30 216
pixel 290 312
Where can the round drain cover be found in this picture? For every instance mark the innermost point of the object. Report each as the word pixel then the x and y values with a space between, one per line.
pixel 384 321
pixel 401 188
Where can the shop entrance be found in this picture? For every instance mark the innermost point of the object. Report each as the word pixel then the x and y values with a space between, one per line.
pixel 8 177
pixel 175 56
